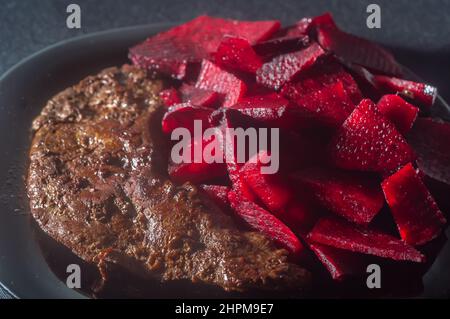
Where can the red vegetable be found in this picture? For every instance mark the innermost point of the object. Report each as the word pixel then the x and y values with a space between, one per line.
pixel 398 111
pixel 172 51
pixel 353 196
pixel 170 97
pixel 199 97
pixel 369 142
pixel 237 54
pixel 340 234
pixel 285 68
pixel 214 78
pixel 430 139
pixel 261 220
pixel 183 115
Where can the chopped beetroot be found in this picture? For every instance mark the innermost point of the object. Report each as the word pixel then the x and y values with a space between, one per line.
pixel 330 105
pixel 285 68
pixel 270 109
pixel 398 111
pixel 420 92
pixel 320 76
pixel 214 78
pixel 237 54
pixel 339 263
pixel 367 141
pixel 273 190
pixel 199 97
pixel 417 215
pixel 170 52
pixel 170 97
pixel 183 115
pixel 355 197
pixel 233 166
pixel 263 221
pixel 288 39
pixel 218 193
pixel 194 169
pixel 353 49
pixel 340 234
pixel 430 139
pixel 277 194
pixel 281 45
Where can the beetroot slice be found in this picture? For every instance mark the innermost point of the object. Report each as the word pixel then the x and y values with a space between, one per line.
pixel 271 109
pixel 429 138
pixel 420 92
pixel 227 121
pixel 237 54
pixel 340 263
pixel 340 234
pixel 417 215
pixel 330 105
pixel 275 192
pixel 219 194
pixel 263 221
pixel 320 76
pixel 183 115
pixel 285 68
pixel 214 78
pixel 353 49
pixel 355 197
pixel 196 170
pixel 199 97
pixel 398 111
pixel 369 142
pixel 170 52
pixel 281 45
pixel 170 97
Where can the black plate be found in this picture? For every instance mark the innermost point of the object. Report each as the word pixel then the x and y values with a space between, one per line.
pixel 24 90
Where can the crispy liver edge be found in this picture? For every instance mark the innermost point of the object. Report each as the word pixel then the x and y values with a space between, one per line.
pixel 96 184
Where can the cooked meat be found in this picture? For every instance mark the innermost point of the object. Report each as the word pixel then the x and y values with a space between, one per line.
pixel 97 185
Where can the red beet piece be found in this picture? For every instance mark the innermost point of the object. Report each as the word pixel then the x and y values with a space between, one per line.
pixel 170 97
pixel 183 115
pixel 330 105
pixel 353 49
pixel 218 193
pixel 355 197
pixel 285 68
pixel 417 215
pixel 237 54
pixel 420 92
pixel 271 109
pixel 320 76
pixel 281 45
pixel 340 234
pixel 214 78
pixel 199 97
pixel 196 170
pixel 227 121
pixel 263 221
pixel 288 39
pixel 170 52
pixel 430 139
pixel 275 192
pixel 339 263
pixel 367 141
pixel 398 111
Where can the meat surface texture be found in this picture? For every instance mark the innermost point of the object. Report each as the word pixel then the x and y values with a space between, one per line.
pixel 97 184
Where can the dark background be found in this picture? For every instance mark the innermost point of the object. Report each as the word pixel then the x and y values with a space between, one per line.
pixel 420 28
